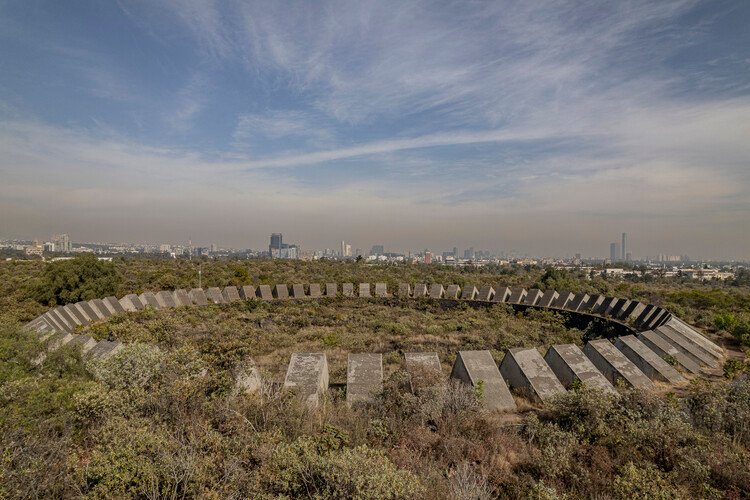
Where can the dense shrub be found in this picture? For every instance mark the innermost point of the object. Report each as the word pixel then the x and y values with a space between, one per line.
pixel 82 278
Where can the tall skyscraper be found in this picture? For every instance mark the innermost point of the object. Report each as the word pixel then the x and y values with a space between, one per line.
pixel 276 242
pixel 614 252
pixel 623 250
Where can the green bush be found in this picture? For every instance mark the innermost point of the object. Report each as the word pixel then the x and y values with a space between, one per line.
pixel 303 469
pixel 82 278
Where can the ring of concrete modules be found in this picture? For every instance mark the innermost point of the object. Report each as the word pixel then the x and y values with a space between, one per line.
pixel 661 350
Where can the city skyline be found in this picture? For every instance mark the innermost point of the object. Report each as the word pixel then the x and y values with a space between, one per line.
pixel 537 127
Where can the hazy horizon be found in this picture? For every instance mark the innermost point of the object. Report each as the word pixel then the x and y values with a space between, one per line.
pixel 548 129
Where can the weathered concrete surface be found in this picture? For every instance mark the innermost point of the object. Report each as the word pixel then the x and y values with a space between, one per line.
pixel 532 297
pixel 102 312
pixel 76 314
pixel 364 290
pixel 64 316
pixel 114 305
pixel 618 308
pixel 298 291
pixel 631 312
pixel 246 377
pixel 645 314
pixel 601 307
pixel 104 349
pixel 517 295
pixel 452 292
pixel 682 344
pixel 569 364
pixel 166 299
pixel 502 293
pixel 469 292
pixel 650 363
pixel 665 350
pixel 315 291
pixel 651 317
pixel 420 291
pixel 281 291
pixel 265 291
pixel 486 293
pixel 87 310
pixel 181 298
pixel 592 304
pixel 695 336
pixel 308 376
pixel 214 295
pixel 230 294
pixel 548 298
pixel 526 371
pixel 149 299
pixel 83 342
pixel 404 290
pixel 478 369
pixel 660 319
pixel 578 300
pixel 364 378
pixel 248 292
pixel 562 300
pixel 198 296
pixel 614 365
pixel 437 291
pixel 58 324
pixel 381 290
pixel 347 289
pixel 332 289
pixel 424 370
pixel 131 303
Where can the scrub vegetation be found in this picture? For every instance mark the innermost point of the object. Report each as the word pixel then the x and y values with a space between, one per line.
pixel 162 417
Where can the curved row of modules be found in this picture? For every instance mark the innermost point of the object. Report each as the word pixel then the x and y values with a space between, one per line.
pixel 662 342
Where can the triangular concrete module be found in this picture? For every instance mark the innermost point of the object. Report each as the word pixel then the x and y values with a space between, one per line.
pixel 364 378
pixel 478 369
pixel 214 295
pixel 364 290
pixel 436 291
pixel 650 363
pixel 424 370
pixel 404 290
pixel 486 293
pixel 281 291
pixel 420 291
pixel 569 364
pixel 469 292
pixel 452 292
pixel 247 292
pixel 614 365
pixel 230 294
pixel 526 371
pixel 548 298
pixel 315 291
pixel 501 293
pixel 332 289
pixel 381 290
pixel 308 376
pixel 298 291
pixel 198 296
pixel 667 351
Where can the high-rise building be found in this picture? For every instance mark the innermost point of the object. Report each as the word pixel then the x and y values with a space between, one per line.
pixel 428 257
pixel 469 253
pixel 614 252
pixel 455 252
pixel 62 243
pixel 377 250
pixel 276 242
pixel 623 250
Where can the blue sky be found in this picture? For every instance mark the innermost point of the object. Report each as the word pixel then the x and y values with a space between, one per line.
pixel 545 128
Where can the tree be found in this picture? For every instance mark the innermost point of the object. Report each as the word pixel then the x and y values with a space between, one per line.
pixel 82 278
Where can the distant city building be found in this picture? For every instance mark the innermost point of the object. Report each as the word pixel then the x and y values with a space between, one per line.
pixel 614 252
pixel 623 250
pixel 428 257
pixel 277 249
pixel 214 249
pixel 469 253
pixel 62 243
pixel 377 250
pixel 49 247
pixel 164 248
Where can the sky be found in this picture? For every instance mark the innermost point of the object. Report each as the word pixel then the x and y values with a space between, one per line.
pixel 543 128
